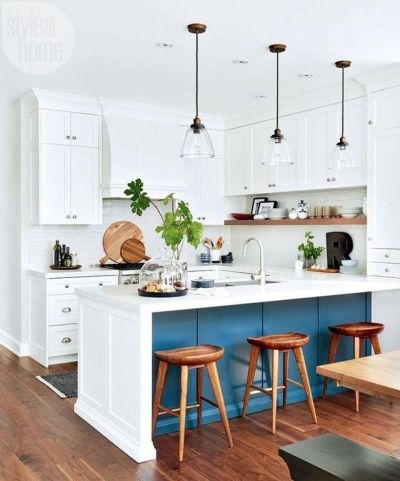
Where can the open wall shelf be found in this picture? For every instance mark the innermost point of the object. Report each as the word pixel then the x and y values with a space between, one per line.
pixel 333 221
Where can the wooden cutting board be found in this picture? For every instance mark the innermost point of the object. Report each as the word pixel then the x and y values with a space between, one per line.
pixel 116 234
pixel 133 250
pixel 327 271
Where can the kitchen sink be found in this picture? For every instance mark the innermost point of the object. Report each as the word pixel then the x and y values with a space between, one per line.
pixel 249 282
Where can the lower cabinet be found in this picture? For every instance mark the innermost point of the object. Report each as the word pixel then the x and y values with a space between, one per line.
pixel 230 326
pixel 54 314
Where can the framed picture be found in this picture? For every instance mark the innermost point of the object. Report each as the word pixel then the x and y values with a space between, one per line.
pixel 263 207
pixel 256 202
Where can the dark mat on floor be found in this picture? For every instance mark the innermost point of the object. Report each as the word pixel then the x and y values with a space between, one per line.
pixel 65 384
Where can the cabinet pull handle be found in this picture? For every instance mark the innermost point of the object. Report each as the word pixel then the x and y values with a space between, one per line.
pixel 68 216
pixel 328 179
pixel 73 137
pixel 68 137
pixel 387 256
pixel 198 218
pixel 66 286
pixel 333 179
pixel 66 340
pixel 74 216
pixel 203 218
pixel 245 187
pixel 387 269
pixel 66 309
pixel 100 284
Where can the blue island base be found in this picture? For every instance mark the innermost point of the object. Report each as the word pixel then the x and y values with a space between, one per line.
pixel 229 328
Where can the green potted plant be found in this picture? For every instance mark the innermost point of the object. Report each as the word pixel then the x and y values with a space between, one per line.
pixel 177 226
pixel 310 252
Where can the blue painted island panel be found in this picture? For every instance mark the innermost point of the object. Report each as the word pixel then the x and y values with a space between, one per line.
pixel 230 326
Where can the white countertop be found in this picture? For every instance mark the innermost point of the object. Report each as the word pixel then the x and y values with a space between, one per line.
pixel 290 284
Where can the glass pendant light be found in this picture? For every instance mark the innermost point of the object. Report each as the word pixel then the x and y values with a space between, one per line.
pixel 342 156
pixel 276 150
pixel 197 142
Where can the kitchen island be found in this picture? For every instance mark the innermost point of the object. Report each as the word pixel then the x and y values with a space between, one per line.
pixel 118 332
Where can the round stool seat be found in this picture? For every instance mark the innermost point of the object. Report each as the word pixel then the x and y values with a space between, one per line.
pixel 280 342
pixel 191 356
pixel 358 329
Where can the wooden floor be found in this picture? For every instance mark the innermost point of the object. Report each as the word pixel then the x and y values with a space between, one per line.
pixel 42 439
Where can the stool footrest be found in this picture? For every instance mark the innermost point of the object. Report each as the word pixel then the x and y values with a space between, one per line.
pixel 296 383
pixel 264 390
pixel 175 411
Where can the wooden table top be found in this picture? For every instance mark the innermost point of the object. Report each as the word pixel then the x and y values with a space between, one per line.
pixel 377 375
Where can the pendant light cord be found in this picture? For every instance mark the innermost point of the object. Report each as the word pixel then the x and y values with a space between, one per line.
pixel 197 74
pixel 277 90
pixel 342 102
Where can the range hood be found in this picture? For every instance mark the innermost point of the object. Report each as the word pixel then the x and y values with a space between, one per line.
pixel 148 149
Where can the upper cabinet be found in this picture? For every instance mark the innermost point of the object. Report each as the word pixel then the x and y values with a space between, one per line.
pixel 312 136
pixel 61 159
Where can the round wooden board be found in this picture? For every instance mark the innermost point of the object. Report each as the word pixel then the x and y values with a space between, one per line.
pixel 116 234
pixel 133 250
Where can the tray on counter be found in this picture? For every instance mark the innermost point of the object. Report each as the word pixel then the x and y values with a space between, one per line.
pixel 180 293
pixel 64 268
pixel 327 271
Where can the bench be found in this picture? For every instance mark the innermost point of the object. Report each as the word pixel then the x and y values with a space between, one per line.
pixel 334 458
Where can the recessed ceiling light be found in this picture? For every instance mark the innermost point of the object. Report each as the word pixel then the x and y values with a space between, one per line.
pixel 164 44
pixel 240 61
pixel 306 75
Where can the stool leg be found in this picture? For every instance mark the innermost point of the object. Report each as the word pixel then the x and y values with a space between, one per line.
pixel 275 366
pixel 376 345
pixel 301 364
pixel 254 354
pixel 285 376
pixel 162 374
pixel 182 414
pixel 199 395
pixel 357 344
pixel 331 357
pixel 213 373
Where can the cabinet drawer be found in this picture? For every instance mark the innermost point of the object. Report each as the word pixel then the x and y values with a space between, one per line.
pixel 63 309
pixel 385 255
pixel 68 285
pixel 63 340
pixel 383 269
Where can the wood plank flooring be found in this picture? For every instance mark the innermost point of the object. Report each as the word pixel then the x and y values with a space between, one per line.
pixel 41 439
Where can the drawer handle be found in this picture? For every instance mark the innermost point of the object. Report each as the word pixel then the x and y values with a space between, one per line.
pixel 66 309
pixel 66 286
pixel 387 256
pixel 66 340
pixel 100 283
pixel 387 269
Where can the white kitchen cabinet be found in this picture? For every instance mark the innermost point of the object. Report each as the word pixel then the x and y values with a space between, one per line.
pixel 84 130
pixel 53 313
pixel 238 161
pixel 55 127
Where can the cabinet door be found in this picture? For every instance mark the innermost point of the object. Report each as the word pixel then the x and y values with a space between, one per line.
pixel 356 134
pixel 264 177
pixel 55 127
pixel 84 185
pixel 287 174
pixel 318 148
pixel 84 130
pixel 238 161
pixel 54 184
pixel 383 189
pixel 171 138
pixel 211 195
pixel 384 108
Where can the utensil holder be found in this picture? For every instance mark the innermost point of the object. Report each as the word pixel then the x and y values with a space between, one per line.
pixel 215 255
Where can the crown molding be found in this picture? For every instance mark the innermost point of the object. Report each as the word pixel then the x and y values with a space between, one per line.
pixel 50 99
pixel 384 78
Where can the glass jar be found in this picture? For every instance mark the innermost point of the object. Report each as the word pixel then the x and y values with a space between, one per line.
pixel 161 276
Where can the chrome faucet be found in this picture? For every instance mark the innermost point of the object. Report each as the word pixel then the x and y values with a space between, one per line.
pixel 261 274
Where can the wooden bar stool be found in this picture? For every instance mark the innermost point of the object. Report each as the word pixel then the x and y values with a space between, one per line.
pixel 285 343
pixel 359 331
pixel 195 357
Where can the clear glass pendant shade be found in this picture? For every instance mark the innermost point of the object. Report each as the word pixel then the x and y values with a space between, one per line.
pixel 342 158
pixel 276 152
pixel 197 144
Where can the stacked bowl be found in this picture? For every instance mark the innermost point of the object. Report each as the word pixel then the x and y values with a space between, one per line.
pixel 205 258
pixel 277 213
pixel 350 212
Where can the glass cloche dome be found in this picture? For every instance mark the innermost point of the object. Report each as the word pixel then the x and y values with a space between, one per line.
pixel 162 276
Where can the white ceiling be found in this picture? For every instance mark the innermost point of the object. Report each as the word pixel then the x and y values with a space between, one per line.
pixel 115 53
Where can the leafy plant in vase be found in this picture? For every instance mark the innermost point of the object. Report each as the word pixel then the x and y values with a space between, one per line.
pixel 177 227
pixel 310 252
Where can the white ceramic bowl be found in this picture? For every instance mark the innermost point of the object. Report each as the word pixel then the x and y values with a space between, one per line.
pixel 350 216
pixel 349 263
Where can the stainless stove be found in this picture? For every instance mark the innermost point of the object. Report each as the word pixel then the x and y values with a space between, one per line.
pixel 127 273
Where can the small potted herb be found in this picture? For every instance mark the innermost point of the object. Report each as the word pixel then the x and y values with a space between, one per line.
pixel 177 225
pixel 310 252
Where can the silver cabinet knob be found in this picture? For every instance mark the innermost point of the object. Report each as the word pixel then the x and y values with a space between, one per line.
pixel 68 137
pixel 387 269
pixel 328 179
pixel 68 216
pixel 198 218
pixel 387 256
pixel 245 187
pixel 66 309
pixel 74 216
pixel 73 137
pixel 127 281
pixel 371 122
pixel 203 218
pixel 100 284
pixel 333 179
pixel 66 340
pixel 66 286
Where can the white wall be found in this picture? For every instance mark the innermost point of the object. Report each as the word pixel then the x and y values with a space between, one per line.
pixel 281 242
pixel 10 224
